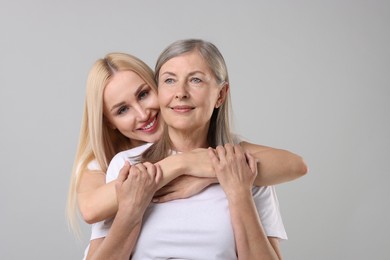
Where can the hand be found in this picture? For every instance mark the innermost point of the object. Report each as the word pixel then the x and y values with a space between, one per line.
pixel 136 186
pixel 235 170
pixel 182 187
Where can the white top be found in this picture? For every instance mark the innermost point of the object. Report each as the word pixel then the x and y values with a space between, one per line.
pixel 198 227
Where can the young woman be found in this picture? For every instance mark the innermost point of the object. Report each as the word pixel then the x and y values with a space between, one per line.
pixel 193 96
pixel 121 112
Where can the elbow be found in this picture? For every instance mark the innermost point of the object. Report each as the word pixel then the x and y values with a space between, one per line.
pixel 88 214
pixel 301 168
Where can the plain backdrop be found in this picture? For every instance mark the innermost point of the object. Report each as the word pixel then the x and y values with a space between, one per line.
pixel 309 76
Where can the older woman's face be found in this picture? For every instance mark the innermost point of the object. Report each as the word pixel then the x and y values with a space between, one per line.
pixel 187 92
pixel 131 106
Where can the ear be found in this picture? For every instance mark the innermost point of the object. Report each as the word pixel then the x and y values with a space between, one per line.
pixel 222 95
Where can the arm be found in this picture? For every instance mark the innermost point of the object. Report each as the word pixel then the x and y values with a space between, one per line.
pixel 275 166
pixel 251 240
pixel 135 188
pixel 98 201
pixel 236 172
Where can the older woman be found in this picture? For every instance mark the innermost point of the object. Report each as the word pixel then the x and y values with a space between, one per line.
pixel 226 221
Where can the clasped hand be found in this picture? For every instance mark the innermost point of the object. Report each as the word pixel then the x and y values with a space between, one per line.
pixel 135 187
pixel 235 169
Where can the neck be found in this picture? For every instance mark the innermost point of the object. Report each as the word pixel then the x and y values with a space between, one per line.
pixel 185 141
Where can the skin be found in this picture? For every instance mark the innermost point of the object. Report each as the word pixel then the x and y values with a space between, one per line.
pixel 236 172
pixel 135 187
pixel 129 106
pixel 188 93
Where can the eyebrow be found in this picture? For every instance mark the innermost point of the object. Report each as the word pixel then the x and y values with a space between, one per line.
pixel 136 93
pixel 189 74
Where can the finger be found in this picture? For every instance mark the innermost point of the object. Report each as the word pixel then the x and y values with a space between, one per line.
pixel 238 149
pixel 239 152
pixel 229 148
pixel 213 156
pixel 166 198
pixel 221 153
pixel 251 162
pixel 161 192
pixel 159 174
pixel 141 167
pixel 124 172
pixel 151 169
pixel 134 171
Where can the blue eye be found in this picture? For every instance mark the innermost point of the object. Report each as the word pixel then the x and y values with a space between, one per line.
pixel 144 94
pixel 122 110
pixel 196 80
pixel 169 81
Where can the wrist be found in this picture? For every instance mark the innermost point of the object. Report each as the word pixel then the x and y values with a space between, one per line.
pixel 128 217
pixel 183 167
pixel 239 196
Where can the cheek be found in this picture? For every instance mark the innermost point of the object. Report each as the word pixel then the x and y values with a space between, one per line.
pixel 212 98
pixel 153 100
pixel 162 98
pixel 125 124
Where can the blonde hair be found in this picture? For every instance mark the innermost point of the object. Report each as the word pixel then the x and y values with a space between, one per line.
pixel 219 130
pixel 98 141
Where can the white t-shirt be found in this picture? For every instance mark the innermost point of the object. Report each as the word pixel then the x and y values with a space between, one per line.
pixel 100 229
pixel 198 227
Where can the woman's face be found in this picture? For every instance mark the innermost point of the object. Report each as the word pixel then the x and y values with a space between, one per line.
pixel 131 106
pixel 188 93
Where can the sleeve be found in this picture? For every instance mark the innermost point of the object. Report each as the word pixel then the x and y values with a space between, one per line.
pixel 100 229
pixel 93 166
pixel 114 167
pixel 118 161
pixel 267 205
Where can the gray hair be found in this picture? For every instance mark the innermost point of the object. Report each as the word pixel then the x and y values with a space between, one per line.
pixel 207 50
pixel 219 129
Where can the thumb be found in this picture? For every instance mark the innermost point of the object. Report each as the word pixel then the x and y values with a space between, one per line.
pixel 251 162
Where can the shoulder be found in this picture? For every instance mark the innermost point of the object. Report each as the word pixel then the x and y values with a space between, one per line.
pixel 118 160
pixel 131 153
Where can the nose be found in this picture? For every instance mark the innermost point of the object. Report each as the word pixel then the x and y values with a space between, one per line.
pixel 142 113
pixel 181 91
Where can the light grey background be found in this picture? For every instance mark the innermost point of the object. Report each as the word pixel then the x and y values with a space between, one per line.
pixel 308 76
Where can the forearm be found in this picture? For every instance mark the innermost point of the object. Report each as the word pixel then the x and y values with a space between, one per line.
pixel 275 166
pixel 195 163
pixel 172 167
pixel 251 240
pixel 119 242
pixel 99 203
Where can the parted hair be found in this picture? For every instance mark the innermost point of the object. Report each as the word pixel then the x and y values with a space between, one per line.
pixel 219 128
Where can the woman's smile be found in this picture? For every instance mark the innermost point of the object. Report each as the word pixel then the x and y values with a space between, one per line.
pixel 151 125
pixel 182 108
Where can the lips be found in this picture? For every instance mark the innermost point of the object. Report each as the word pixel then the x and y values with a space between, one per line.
pixel 151 125
pixel 182 109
